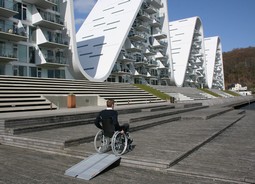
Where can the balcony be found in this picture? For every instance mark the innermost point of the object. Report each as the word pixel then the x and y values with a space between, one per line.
pixel 140 62
pixel 150 9
pixel 126 58
pixel 121 72
pixel 144 16
pixel 149 52
pixel 56 62
pixel 160 35
pixel 151 75
pixel 160 56
pixel 7 55
pixel 153 64
pixel 155 23
pixel 7 8
pixel 46 4
pixel 137 36
pixel 49 20
pixel 139 73
pixel 54 41
pixel 141 26
pixel 135 47
pixel 156 3
pixel 11 32
pixel 159 44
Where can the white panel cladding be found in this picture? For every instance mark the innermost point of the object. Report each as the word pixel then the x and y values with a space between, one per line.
pixel 214 63
pixel 187 46
pixel 103 34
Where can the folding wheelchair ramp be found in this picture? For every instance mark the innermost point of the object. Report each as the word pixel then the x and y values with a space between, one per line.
pixel 92 166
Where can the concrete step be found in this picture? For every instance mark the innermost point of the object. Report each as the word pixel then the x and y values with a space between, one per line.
pixel 57 139
pixel 162 113
pixel 49 126
pixel 35 102
pixel 25 108
pixel 32 143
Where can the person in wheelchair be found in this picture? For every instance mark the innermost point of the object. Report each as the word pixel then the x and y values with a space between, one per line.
pixel 110 114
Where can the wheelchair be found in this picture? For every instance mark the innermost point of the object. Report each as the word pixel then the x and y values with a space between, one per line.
pixel 108 138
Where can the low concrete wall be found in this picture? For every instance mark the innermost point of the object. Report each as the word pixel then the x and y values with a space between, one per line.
pixel 81 100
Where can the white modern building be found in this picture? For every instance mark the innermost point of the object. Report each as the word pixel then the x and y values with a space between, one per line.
pixel 125 41
pixel 34 38
pixel 187 49
pixel 214 63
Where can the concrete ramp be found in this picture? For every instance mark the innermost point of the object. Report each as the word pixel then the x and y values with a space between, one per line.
pixel 92 166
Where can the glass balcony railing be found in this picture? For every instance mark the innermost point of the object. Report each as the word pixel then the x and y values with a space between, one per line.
pixel 8 53
pixel 59 39
pixel 10 31
pixel 8 4
pixel 135 35
pixel 52 17
pixel 144 15
pixel 53 1
pixel 56 60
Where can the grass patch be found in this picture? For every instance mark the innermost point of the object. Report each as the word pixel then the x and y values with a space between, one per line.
pixel 209 92
pixel 153 91
pixel 231 93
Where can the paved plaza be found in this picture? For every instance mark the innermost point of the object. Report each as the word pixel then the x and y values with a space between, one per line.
pixel 208 145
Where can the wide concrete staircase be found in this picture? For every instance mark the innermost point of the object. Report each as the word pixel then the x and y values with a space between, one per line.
pixel 26 94
pixel 61 130
pixel 183 93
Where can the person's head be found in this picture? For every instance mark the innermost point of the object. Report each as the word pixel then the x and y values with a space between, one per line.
pixel 110 103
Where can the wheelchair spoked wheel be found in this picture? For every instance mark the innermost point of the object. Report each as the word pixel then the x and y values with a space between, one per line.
pixel 119 143
pixel 101 143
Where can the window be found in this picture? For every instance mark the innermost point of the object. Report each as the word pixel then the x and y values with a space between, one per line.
pixel 19 70
pixel 32 71
pixel 18 16
pixel 2 48
pixel 22 53
pixel 24 12
pixel 56 73
pixel 50 73
pixel 31 55
pixel 32 34
pixel 39 72
pixel 22 9
pixel 2 69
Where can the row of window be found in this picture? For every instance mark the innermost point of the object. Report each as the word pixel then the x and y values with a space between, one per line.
pixel 18 70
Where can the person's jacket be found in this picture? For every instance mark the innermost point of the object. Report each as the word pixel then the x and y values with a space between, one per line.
pixel 105 114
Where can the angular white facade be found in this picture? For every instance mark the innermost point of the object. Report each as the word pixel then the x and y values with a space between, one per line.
pixel 214 63
pixel 125 41
pixel 35 39
pixel 187 49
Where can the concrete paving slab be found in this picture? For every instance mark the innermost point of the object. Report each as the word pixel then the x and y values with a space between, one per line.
pixel 25 166
pixel 229 156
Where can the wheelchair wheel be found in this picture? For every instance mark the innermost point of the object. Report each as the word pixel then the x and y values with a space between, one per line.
pixel 119 143
pixel 101 143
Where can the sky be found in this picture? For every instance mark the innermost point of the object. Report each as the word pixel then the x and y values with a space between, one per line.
pixel 232 20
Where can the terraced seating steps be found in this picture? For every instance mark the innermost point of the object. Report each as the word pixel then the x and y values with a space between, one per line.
pixel 124 94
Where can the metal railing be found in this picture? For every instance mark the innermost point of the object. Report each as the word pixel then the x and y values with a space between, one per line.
pixel 11 28
pixel 8 4
pixel 52 17
pixel 8 53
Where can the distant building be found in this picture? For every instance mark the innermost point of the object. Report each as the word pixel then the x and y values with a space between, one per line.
pixel 214 63
pixel 187 49
pixel 240 89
